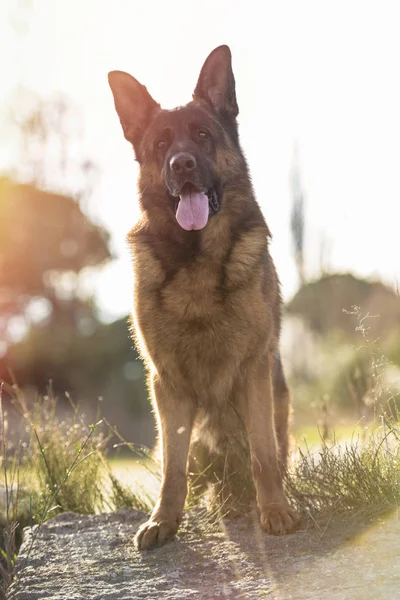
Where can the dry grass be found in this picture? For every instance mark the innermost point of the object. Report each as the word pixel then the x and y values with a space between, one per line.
pixel 361 475
pixel 61 465
pixel 357 476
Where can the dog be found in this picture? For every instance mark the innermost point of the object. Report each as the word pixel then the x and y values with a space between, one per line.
pixel 207 303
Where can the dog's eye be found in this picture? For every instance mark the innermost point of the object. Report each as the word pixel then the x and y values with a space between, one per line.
pixel 202 134
pixel 160 144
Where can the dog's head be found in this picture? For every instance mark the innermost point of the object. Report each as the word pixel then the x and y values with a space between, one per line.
pixel 186 155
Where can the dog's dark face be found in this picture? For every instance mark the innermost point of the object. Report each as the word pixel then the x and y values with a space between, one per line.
pixel 184 153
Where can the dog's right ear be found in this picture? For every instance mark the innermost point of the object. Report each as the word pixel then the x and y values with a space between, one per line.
pixel 133 103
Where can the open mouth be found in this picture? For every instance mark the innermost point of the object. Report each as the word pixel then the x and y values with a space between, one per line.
pixel 194 207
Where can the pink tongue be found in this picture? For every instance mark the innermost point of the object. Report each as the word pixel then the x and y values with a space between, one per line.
pixel 192 211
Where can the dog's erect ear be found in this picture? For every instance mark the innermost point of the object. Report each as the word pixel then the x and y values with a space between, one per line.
pixel 216 84
pixel 133 103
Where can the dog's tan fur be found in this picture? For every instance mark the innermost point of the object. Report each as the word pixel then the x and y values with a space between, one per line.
pixel 208 331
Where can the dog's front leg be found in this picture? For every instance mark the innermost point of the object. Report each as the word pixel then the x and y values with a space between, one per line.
pixel 175 420
pixel 257 410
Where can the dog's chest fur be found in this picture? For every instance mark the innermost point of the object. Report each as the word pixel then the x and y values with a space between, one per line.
pixel 198 323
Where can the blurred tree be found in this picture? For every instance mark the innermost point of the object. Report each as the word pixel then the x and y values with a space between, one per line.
pixel 46 239
pixel 42 236
pixel 49 326
pixel 87 359
pixel 322 304
pixel 46 245
pixel 297 218
pixel 47 137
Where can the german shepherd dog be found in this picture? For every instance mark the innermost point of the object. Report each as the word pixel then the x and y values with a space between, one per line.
pixel 207 304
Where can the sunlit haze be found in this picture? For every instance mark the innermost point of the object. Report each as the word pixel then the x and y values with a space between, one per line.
pixel 322 77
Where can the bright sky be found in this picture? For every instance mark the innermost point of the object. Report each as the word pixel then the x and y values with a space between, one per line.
pixel 319 75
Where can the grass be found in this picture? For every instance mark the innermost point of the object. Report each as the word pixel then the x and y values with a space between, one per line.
pixel 58 464
pixel 354 476
pixel 62 464
pixel 10 502
pixel 356 471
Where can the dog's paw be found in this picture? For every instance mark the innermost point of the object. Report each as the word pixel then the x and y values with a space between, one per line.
pixel 278 518
pixel 155 532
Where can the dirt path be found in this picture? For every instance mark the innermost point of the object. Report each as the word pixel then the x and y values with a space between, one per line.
pixel 92 558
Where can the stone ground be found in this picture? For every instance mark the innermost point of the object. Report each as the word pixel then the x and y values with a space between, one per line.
pixel 75 557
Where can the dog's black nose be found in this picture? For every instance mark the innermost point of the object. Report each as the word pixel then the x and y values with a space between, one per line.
pixel 183 162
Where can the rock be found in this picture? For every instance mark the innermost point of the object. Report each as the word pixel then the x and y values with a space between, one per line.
pixel 76 557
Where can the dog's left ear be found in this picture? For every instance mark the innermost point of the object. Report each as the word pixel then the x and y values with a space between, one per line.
pixel 216 84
